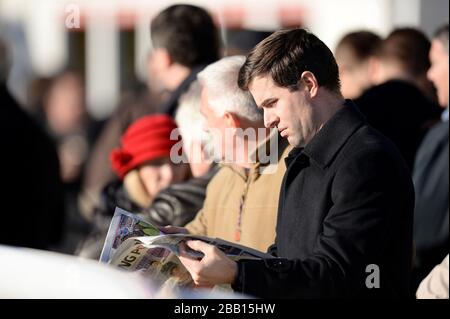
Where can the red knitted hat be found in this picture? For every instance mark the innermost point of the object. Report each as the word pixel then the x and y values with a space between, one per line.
pixel 146 139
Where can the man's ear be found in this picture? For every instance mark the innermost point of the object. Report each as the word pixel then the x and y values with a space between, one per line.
pixel 231 120
pixel 162 57
pixel 167 58
pixel 309 82
pixel 374 66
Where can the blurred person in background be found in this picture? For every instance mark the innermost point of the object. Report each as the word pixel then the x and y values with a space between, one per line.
pixel 67 121
pixel 403 55
pixel 431 178
pixel 184 40
pixel 355 57
pixel 397 105
pixel 64 115
pixel 242 41
pixel 242 199
pixel 31 196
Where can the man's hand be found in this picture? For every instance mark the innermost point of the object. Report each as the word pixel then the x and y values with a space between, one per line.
pixel 213 269
pixel 173 230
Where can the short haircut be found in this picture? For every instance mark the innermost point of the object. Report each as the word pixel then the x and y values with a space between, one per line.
pixel 285 55
pixel 220 80
pixel 363 44
pixel 409 47
pixel 188 33
pixel 441 34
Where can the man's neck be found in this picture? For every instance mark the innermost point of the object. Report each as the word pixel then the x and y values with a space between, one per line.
pixel 327 105
pixel 178 73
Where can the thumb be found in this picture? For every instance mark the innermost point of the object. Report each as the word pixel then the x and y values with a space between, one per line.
pixel 199 245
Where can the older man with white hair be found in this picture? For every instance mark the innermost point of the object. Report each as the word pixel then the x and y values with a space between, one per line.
pixel 242 199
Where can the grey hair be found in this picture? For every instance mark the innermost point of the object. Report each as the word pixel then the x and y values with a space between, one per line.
pixel 442 35
pixel 220 79
pixel 188 117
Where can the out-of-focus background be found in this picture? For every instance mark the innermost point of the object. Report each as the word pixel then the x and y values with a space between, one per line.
pixel 107 40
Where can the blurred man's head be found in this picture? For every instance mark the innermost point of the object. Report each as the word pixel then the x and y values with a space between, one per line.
pixel 294 78
pixel 354 55
pixel 226 107
pixel 438 72
pixel 403 55
pixel 183 36
pixel 64 103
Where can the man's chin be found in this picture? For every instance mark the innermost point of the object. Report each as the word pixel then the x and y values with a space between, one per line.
pixel 293 141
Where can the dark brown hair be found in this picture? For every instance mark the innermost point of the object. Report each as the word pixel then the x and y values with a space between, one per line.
pixel 409 47
pixel 285 55
pixel 188 33
pixel 363 44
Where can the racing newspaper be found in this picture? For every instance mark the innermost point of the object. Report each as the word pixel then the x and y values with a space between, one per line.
pixel 134 244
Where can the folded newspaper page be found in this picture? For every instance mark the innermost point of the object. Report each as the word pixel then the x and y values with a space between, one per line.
pixel 125 225
pixel 134 244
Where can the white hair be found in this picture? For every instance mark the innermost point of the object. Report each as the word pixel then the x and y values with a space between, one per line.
pixel 220 80
pixel 188 117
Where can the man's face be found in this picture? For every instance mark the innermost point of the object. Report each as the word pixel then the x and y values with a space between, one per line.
pixel 438 72
pixel 290 112
pixel 158 69
pixel 159 174
pixel 216 126
pixel 355 75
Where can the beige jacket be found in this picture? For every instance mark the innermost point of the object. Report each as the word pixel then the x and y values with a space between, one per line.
pixel 242 207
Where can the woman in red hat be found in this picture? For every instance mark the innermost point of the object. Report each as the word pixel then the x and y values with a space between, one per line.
pixel 144 168
pixel 143 160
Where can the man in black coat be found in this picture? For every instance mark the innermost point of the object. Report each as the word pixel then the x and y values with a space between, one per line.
pixel 399 104
pixel 31 197
pixel 344 226
pixel 401 112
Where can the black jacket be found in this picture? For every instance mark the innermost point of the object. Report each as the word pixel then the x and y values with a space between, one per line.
pixel 401 112
pixel 31 197
pixel 431 231
pixel 346 202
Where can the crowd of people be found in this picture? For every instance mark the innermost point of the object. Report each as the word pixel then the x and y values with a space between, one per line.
pixel 358 175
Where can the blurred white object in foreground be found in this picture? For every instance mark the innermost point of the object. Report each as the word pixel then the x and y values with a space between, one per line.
pixel 30 273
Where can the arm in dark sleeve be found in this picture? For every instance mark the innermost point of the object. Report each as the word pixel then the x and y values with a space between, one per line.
pixel 355 232
pixel 176 205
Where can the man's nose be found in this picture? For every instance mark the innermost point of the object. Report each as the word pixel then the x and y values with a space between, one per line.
pixel 430 74
pixel 270 119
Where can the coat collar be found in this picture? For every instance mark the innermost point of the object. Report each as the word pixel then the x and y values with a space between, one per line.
pixel 330 139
